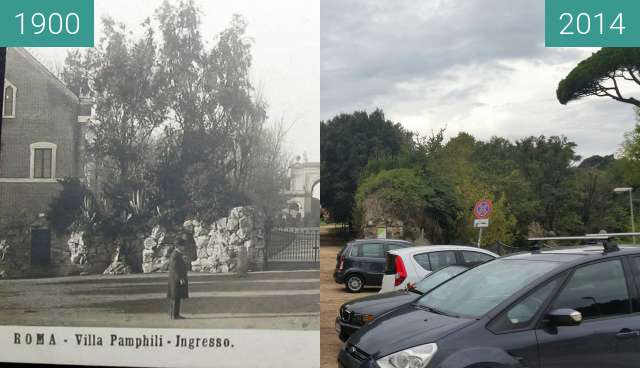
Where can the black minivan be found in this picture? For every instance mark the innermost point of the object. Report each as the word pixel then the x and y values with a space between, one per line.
pixel 551 309
pixel 361 262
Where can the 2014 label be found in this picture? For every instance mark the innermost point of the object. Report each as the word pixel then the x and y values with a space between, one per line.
pixel 583 22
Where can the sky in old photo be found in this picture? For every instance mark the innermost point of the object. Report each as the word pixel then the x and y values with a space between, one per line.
pixel 478 66
pixel 286 55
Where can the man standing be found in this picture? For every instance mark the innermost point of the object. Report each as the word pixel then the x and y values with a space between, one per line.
pixel 178 283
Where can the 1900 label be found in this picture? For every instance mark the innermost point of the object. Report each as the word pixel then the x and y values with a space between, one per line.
pixel 47 23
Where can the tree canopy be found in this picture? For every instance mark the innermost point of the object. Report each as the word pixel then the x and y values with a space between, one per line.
pixel 348 142
pixel 602 75
pixel 538 184
pixel 179 130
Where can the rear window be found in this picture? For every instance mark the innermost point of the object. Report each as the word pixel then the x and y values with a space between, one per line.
pixel 346 250
pixel 390 266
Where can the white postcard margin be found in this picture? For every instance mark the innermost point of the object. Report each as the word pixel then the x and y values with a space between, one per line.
pixel 161 348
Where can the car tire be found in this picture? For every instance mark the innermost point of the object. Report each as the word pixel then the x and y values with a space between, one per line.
pixel 354 283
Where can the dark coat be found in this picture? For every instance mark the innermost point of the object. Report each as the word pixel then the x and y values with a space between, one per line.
pixel 177 272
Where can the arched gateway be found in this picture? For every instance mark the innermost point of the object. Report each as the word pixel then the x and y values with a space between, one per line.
pixel 303 192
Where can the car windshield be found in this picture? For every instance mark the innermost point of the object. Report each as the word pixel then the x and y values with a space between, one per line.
pixel 436 278
pixel 477 291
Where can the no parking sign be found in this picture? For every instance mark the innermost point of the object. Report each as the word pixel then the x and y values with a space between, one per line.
pixel 483 209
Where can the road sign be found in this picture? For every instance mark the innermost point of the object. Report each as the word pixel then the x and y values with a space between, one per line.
pixel 481 223
pixel 483 209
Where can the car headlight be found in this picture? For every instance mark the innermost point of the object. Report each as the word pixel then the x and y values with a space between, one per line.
pixel 416 357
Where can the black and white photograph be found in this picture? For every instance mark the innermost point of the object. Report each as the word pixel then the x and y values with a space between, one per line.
pixel 168 177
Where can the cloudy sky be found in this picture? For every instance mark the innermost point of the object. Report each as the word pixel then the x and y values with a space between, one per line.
pixel 286 51
pixel 478 66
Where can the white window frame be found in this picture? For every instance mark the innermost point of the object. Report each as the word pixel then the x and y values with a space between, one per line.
pixel 15 90
pixel 43 145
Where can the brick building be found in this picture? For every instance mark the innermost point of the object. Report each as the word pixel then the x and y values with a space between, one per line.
pixel 41 140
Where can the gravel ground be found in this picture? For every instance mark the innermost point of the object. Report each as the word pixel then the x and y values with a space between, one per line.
pixel 332 296
pixel 262 300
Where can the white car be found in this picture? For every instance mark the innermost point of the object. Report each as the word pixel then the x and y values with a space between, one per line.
pixel 410 265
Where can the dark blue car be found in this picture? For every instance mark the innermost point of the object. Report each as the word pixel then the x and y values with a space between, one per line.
pixel 357 313
pixel 551 309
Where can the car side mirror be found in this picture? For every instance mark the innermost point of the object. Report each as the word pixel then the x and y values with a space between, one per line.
pixel 564 317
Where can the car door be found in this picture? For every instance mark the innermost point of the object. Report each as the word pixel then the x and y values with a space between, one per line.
pixel 514 327
pixel 373 262
pixel 607 336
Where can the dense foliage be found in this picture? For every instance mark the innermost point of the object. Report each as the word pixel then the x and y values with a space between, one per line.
pixel 539 185
pixel 349 141
pixel 179 130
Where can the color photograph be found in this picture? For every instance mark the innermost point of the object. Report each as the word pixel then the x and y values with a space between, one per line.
pixel 479 187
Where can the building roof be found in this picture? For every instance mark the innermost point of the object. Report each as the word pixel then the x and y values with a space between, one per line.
pixel 27 56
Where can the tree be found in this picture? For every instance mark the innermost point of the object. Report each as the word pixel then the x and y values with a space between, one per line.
pixel 347 143
pixel 123 76
pixel 219 117
pixel 269 177
pixel 179 129
pixel 602 75
pixel 546 163
pixel 404 194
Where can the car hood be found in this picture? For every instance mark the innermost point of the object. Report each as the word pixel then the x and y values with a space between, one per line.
pixel 381 303
pixel 403 328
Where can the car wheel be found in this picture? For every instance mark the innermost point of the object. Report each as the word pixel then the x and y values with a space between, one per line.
pixel 354 283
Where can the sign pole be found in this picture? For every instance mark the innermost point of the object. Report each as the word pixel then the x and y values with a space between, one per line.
pixel 481 212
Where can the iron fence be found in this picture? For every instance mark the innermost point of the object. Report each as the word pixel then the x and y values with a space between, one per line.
pixel 300 246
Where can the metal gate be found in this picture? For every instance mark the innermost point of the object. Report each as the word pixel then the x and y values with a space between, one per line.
pixel 293 248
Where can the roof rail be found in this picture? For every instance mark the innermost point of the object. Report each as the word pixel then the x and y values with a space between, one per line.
pixel 586 237
pixel 615 235
pixel 606 239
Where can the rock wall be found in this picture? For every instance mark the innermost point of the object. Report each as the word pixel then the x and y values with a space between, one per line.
pixel 14 258
pixel 231 244
pixel 157 250
pixel 219 245
pixel 88 254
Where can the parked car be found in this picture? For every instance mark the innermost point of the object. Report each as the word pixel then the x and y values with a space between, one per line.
pixel 359 312
pixel 411 265
pixel 543 309
pixel 361 262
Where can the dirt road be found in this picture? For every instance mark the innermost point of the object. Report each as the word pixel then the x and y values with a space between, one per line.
pixel 332 296
pixel 261 300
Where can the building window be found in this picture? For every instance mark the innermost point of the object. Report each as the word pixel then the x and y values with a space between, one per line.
pixel 9 100
pixel 43 161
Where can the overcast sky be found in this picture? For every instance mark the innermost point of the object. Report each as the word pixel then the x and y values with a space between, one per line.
pixel 286 51
pixel 478 66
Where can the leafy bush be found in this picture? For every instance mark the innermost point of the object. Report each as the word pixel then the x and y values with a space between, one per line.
pixel 67 208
